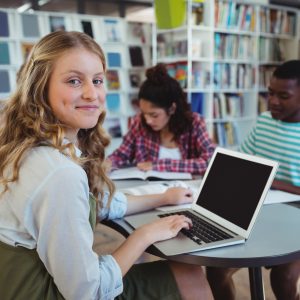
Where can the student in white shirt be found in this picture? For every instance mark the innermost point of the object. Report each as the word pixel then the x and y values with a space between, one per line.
pixel 52 161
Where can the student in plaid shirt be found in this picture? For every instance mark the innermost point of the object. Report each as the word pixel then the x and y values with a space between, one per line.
pixel 166 135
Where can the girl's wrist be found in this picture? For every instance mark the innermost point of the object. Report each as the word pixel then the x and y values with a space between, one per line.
pixel 144 237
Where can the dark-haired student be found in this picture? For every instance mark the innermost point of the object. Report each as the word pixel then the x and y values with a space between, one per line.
pixel 166 135
pixel 276 135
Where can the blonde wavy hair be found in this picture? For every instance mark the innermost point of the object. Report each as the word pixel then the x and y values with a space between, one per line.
pixel 27 119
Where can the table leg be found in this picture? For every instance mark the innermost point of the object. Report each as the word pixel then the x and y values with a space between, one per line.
pixel 256 284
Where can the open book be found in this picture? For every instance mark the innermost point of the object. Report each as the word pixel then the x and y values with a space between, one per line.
pixel 135 173
pixel 277 196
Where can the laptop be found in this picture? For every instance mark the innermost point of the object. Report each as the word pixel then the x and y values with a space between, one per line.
pixel 226 206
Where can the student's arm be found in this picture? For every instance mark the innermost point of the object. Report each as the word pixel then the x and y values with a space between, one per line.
pixel 122 204
pixel 143 237
pixel 162 229
pixel 124 155
pixel 195 166
pixel 172 196
pixel 286 187
pixel 64 236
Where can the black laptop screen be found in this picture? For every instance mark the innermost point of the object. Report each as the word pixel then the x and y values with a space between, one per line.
pixel 233 188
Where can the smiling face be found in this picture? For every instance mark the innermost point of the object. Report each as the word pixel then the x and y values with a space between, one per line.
pixel 155 117
pixel 76 92
pixel 284 99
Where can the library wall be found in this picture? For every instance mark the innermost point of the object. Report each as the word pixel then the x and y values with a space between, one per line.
pixel 223 56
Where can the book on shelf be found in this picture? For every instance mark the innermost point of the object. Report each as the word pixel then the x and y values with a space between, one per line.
pixel 57 23
pixel 4 53
pixel 200 75
pixel 216 106
pixel 290 27
pixel 181 74
pixel 113 127
pixel 262 15
pixel 272 49
pixel 197 103
pixel 242 18
pixel 113 102
pixel 4 28
pixel 137 32
pixel 179 48
pixel 249 14
pixel 228 105
pixel 266 72
pixel 4 81
pixel 221 134
pixel 114 59
pixel 87 28
pixel 171 48
pixel 198 13
pixel 135 173
pixel 225 134
pixel 134 103
pixel 235 105
pixel 30 26
pixel 219 107
pixel 229 46
pixel 112 79
pixel 135 79
pixel 276 21
pixel 178 71
pixel 136 56
pixel 112 30
pixel 230 138
pixel 231 21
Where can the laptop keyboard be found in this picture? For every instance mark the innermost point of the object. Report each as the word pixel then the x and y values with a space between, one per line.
pixel 201 231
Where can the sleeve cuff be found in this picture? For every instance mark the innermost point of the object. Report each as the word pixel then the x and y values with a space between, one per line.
pixel 111 281
pixel 117 208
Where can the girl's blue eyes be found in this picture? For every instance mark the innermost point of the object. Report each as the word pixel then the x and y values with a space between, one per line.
pixel 98 81
pixel 78 82
pixel 73 81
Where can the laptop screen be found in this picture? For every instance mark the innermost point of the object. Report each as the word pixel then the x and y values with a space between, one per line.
pixel 233 188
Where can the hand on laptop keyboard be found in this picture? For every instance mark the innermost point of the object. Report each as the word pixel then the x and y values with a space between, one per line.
pixel 165 228
pixel 201 231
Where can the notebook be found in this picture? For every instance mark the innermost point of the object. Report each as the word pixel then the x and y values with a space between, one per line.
pixel 230 196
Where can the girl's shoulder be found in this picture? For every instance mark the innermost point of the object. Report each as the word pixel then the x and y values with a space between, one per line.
pixel 48 159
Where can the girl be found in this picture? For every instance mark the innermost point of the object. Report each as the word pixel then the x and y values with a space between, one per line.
pixel 53 178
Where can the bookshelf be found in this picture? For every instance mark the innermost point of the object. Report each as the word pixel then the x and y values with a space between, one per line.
pixel 223 55
pixel 127 47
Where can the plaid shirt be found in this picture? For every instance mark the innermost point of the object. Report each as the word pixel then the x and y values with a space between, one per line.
pixel 139 145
